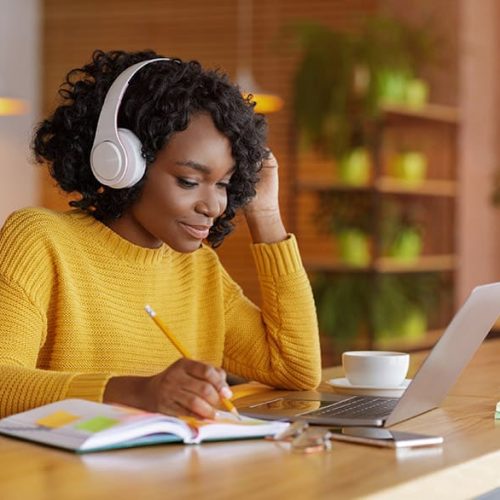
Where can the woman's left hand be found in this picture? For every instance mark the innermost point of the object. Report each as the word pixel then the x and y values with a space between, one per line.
pixel 266 201
pixel 263 212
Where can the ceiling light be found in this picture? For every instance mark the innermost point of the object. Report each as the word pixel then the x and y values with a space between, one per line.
pixel 266 102
pixel 12 106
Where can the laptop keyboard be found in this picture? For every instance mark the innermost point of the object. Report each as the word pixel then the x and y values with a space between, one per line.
pixel 358 406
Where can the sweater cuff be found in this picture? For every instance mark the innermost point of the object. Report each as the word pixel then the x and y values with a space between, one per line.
pixel 277 259
pixel 89 386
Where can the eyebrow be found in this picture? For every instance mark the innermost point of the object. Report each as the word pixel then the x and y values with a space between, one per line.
pixel 199 167
pixel 194 165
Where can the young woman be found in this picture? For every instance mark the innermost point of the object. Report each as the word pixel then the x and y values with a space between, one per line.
pixel 73 285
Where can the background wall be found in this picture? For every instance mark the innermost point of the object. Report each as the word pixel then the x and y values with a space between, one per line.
pixel 479 151
pixel 208 31
pixel 20 77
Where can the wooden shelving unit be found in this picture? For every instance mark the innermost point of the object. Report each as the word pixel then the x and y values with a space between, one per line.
pixel 432 130
pixel 431 111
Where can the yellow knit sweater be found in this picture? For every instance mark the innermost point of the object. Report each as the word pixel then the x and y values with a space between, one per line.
pixel 72 296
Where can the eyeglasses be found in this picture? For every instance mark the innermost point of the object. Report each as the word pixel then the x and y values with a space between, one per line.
pixel 305 439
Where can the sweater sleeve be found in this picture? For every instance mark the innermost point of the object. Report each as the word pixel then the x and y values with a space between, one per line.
pixel 279 344
pixel 24 386
pixel 23 329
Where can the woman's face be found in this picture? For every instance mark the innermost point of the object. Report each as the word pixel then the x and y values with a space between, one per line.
pixel 185 190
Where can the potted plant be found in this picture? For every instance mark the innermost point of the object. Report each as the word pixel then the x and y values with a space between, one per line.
pixel 393 306
pixel 403 304
pixel 355 167
pixel 342 304
pixel 401 231
pixel 345 77
pixel 348 215
pixel 323 89
pixel 409 166
pixel 395 53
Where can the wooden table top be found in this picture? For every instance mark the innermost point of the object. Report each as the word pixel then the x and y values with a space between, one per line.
pixel 465 466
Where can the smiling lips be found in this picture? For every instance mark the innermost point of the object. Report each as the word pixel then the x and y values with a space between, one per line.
pixel 195 231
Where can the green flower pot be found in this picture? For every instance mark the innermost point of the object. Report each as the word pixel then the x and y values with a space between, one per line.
pixel 413 327
pixel 355 167
pixel 407 245
pixel 354 248
pixel 416 93
pixel 392 87
pixel 411 167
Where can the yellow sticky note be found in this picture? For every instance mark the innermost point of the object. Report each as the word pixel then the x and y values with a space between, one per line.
pixel 57 419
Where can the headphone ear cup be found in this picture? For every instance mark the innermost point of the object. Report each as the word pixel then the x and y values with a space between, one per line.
pixel 135 164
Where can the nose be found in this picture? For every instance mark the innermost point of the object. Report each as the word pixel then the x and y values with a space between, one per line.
pixel 210 205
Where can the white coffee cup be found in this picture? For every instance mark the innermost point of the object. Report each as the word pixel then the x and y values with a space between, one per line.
pixel 375 368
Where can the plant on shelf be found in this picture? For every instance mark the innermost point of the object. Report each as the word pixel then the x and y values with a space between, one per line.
pixel 393 306
pixel 395 53
pixel 355 167
pixel 401 230
pixel 409 166
pixel 402 305
pixel 348 215
pixel 345 77
pixel 342 304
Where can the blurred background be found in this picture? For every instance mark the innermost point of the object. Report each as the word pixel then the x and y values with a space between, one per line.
pixel 382 113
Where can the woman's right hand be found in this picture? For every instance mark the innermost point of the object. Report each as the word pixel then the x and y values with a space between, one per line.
pixel 186 387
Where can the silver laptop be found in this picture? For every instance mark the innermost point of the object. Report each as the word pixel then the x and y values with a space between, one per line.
pixel 436 376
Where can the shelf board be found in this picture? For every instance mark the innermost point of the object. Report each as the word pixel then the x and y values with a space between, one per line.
pixel 330 265
pixel 422 264
pixel 435 112
pixel 426 263
pixel 429 187
pixel 387 185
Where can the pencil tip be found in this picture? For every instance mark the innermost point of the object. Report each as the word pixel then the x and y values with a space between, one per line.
pixel 235 412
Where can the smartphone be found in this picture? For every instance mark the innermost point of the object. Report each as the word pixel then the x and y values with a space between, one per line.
pixel 383 437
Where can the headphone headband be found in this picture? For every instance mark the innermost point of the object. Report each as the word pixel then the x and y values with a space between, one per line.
pixel 110 159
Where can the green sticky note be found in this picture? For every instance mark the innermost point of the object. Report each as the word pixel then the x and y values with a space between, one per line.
pixel 96 424
pixel 497 415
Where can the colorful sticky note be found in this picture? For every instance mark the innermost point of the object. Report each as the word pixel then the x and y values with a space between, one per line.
pixel 96 424
pixel 57 419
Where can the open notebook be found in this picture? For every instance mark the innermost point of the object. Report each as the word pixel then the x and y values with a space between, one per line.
pixel 83 426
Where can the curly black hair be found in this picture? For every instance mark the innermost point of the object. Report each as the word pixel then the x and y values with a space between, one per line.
pixel 159 101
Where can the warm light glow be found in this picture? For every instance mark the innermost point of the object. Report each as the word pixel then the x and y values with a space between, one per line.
pixel 265 103
pixel 10 106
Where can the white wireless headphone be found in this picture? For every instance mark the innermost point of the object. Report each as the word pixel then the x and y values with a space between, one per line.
pixel 116 157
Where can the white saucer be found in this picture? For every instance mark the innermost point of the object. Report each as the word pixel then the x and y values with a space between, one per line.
pixel 343 386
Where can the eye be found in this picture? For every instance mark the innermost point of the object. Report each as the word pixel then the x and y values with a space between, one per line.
pixel 223 185
pixel 186 184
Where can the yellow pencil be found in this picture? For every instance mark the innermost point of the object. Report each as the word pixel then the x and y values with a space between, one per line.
pixel 164 328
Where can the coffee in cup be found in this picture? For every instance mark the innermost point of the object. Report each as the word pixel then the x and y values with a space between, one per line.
pixel 375 368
